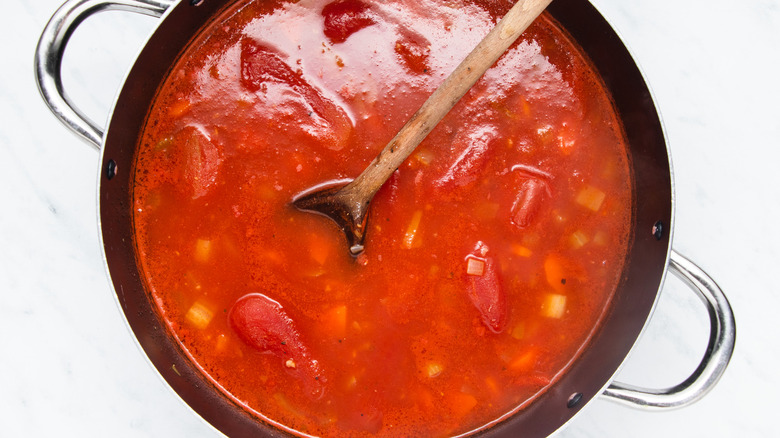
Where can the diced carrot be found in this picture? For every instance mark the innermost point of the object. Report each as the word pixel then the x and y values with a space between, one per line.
pixel 319 248
pixel 491 383
pixel 411 237
pixel 525 361
pixel 521 251
pixel 461 403
pixel 554 272
pixel 335 321
pixel 222 343
pixel 199 315
pixel 591 198
pixel 554 306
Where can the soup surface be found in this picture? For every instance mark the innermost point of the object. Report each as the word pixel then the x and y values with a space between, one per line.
pixel 491 254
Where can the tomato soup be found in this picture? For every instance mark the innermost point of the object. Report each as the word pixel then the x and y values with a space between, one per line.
pixel 491 254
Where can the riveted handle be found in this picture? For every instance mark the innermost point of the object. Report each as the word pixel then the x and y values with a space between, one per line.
pixel 723 334
pixel 51 46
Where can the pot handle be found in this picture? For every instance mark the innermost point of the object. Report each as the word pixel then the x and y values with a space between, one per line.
pixel 51 46
pixel 716 358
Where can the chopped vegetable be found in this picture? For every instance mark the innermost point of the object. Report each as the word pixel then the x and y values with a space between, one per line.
pixel 319 248
pixel 475 266
pixel 199 315
pixel 554 305
pixel 578 239
pixel 423 156
pixel 202 250
pixel 521 251
pixel 518 331
pixel 591 198
pixel 461 403
pixel 411 237
pixel 554 271
pixel 433 369
pixel 525 361
pixel 335 321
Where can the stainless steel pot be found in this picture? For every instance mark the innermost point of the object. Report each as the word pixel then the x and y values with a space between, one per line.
pixel 650 255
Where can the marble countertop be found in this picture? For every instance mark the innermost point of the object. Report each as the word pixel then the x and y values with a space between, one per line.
pixel 69 366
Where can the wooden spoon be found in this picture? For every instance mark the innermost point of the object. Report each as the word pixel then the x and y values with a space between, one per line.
pixel 347 205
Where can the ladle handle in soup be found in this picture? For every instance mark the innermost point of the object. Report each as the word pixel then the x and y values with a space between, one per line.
pixel 457 84
pixel 51 46
pixel 719 349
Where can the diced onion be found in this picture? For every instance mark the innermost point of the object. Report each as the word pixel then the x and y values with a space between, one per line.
pixel 554 306
pixel 475 266
pixel 199 315
pixel 591 197
pixel 433 369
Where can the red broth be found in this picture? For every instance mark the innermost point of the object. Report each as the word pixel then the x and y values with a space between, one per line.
pixel 491 254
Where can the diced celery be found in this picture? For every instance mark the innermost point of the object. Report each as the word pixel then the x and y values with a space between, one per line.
pixel 578 239
pixel 518 331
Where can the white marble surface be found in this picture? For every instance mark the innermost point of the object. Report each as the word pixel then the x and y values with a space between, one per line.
pixel 69 367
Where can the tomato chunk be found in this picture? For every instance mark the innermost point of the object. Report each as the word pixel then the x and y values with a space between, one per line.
pixel 263 324
pixel 263 66
pixel 197 160
pixel 531 194
pixel 466 167
pixel 345 17
pixel 484 289
pixel 413 49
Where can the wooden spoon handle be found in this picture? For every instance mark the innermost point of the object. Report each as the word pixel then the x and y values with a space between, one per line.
pixel 459 82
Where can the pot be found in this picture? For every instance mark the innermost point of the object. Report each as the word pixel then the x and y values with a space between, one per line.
pixel 650 254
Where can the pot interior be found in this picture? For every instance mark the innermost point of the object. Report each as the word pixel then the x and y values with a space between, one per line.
pixel 630 307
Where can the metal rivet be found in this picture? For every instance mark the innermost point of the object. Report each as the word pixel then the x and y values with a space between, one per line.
pixel 111 169
pixel 574 400
pixel 658 230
